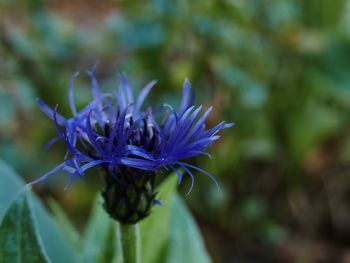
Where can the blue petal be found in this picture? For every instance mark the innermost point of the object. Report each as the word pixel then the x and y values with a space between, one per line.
pixel 70 94
pixel 143 94
pixel 138 163
pixel 117 130
pixel 92 137
pixel 187 97
pixel 45 176
pixel 124 97
pixel 91 164
pixel 133 150
pixel 50 112
pixel 190 174
pixel 95 89
pixel 51 142
pixel 179 175
pixel 202 171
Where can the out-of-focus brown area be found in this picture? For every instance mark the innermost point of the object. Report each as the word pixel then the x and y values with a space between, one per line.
pixel 278 69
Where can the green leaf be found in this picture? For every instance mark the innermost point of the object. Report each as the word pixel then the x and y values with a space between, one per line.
pixel 100 244
pixel 158 224
pixel 67 228
pixel 54 242
pixel 10 187
pixel 185 244
pixel 19 238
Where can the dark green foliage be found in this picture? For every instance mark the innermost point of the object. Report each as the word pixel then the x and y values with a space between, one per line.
pixel 18 234
pixel 279 69
pixel 11 188
pixel 26 237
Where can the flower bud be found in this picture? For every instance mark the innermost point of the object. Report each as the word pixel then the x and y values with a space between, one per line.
pixel 128 198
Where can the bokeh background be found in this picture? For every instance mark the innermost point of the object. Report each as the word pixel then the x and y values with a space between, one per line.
pixel 279 69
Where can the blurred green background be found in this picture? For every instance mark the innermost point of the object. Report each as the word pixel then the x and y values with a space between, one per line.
pixel 279 69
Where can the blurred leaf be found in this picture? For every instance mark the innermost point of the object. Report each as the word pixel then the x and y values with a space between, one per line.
pixel 345 150
pixel 19 238
pixel 55 245
pixel 145 34
pixel 259 147
pixel 252 93
pixel 254 209
pixel 10 187
pixel 7 109
pixel 25 94
pixel 322 14
pixel 100 244
pixel 273 233
pixel 321 121
pixel 67 228
pixel 158 223
pixel 185 244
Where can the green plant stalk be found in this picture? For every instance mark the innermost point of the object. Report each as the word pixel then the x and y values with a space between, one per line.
pixel 131 243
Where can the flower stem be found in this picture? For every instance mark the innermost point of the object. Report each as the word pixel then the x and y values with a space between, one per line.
pixel 131 243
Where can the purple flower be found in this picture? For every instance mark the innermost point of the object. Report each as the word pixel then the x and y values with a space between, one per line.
pixel 130 142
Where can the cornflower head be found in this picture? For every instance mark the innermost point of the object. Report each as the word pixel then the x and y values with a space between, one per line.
pixel 130 143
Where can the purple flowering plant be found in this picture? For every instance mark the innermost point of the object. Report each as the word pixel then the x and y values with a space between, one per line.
pixel 131 143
